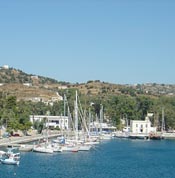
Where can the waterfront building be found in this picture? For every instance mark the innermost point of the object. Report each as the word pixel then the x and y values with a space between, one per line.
pixel 142 126
pixel 96 126
pixel 61 122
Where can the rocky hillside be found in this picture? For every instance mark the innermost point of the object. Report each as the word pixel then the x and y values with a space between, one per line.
pixel 11 75
pixel 28 86
pixel 38 88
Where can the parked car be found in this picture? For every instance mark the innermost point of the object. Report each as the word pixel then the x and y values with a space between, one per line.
pixel 15 135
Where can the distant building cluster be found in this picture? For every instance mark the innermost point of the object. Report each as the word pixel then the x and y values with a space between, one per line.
pixel 44 99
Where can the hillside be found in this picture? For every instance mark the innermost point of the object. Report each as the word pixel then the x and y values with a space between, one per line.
pixel 11 75
pixel 28 86
pixel 38 88
pixel 103 88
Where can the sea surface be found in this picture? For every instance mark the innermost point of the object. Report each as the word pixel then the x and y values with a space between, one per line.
pixel 114 158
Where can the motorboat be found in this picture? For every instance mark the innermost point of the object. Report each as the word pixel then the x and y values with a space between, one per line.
pixel 10 160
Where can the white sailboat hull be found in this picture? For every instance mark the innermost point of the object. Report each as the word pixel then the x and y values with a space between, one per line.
pixel 42 149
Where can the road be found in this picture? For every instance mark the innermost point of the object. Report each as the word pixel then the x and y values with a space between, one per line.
pixel 24 139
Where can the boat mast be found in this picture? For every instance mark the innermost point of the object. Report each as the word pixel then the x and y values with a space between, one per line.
pixel 64 110
pixel 163 121
pixel 76 116
pixel 101 118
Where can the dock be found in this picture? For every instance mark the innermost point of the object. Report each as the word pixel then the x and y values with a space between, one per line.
pixel 169 135
pixel 24 139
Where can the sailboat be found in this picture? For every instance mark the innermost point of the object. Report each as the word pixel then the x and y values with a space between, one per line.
pixel 78 143
pixel 43 147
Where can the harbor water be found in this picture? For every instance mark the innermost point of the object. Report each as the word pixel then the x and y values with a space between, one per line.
pixel 116 158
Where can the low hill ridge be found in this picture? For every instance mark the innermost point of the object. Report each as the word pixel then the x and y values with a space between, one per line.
pixel 33 87
pixel 12 75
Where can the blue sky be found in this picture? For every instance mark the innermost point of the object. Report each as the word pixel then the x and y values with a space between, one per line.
pixel 116 41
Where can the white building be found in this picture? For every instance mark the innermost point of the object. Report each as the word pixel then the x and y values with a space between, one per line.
pixel 5 67
pixel 96 126
pixel 34 77
pixel 142 126
pixel 52 121
pixel 62 87
pixel 27 84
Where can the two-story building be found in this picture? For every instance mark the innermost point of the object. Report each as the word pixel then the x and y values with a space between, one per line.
pixel 61 122
pixel 142 127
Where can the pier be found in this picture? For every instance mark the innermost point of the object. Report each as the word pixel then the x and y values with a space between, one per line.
pixel 24 139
